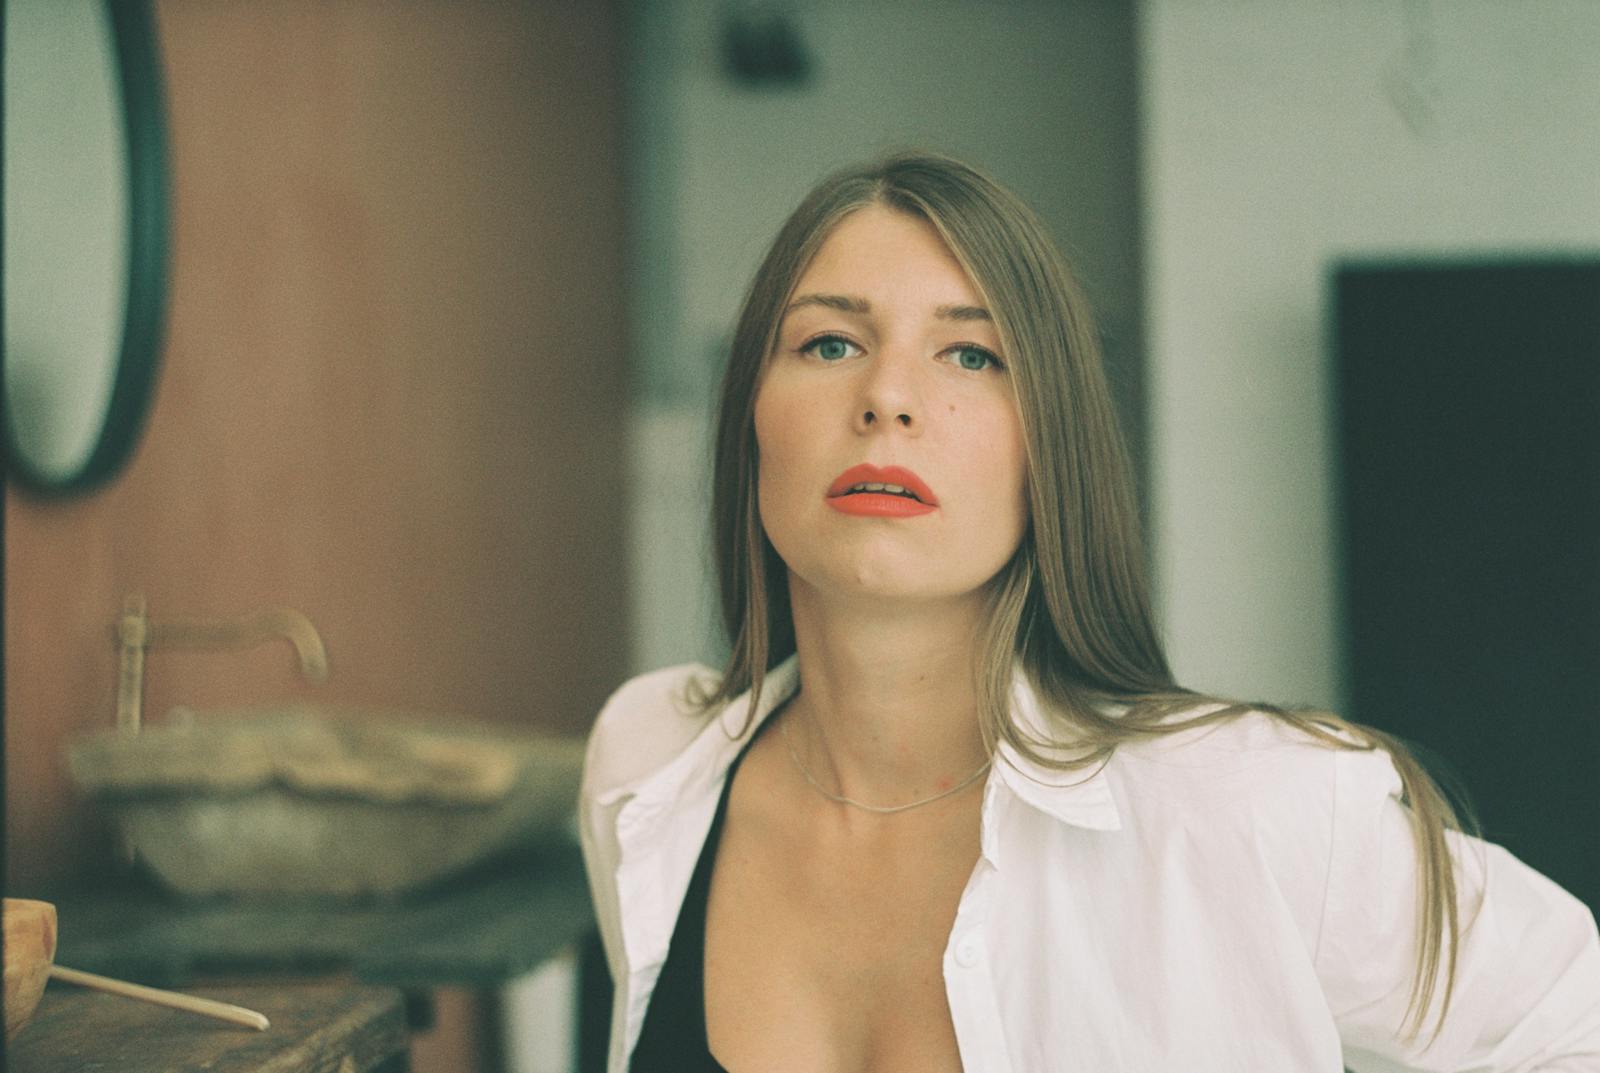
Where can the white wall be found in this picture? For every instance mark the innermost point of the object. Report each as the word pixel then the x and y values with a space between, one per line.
pixel 1039 92
pixel 1279 136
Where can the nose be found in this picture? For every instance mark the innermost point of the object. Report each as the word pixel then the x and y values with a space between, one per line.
pixel 889 395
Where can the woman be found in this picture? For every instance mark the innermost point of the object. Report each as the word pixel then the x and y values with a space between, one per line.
pixel 987 831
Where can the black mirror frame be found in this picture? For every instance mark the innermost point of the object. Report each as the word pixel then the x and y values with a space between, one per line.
pixel 144 115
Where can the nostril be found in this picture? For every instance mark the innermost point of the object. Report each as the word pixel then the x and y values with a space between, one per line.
pixel 870 417
pixel 905 419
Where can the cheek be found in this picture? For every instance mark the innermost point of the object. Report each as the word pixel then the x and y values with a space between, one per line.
pixel 1007 448
pixel 774 437
pixel 1008 436
pixel 785 425
pixel 769 442
pixel 1019 463
pixel 995 452
pixel 769 416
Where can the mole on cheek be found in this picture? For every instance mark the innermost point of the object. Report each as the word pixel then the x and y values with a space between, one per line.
pixel 952 407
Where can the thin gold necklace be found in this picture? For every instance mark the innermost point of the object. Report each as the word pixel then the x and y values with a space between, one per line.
pixel 783 728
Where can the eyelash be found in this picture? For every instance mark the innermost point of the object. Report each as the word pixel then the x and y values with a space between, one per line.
pixel 810 345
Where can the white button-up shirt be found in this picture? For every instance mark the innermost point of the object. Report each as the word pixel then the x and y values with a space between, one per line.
pixel 1234 898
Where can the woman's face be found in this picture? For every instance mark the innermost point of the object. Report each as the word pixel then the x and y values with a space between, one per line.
pixel 886 358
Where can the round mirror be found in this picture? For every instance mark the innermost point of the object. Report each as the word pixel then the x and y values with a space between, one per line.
pixel 85 236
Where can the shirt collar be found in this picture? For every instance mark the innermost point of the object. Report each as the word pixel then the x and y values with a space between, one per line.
pixel 712 750
pixel 1079 797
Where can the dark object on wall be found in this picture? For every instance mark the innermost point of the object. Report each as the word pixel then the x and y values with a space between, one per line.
pixel 1469 429
pixel 762 49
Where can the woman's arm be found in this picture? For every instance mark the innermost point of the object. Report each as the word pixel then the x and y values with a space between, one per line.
pixel 1527 987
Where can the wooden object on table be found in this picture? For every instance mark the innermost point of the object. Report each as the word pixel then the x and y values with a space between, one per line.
pixel 221 1011
pixel 320 1027
pixel 30 947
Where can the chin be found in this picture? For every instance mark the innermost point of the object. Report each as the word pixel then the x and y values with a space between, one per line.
pixel 898 581
pixel 884 568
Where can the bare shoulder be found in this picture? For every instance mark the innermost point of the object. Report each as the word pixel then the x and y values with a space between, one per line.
pixel 647 722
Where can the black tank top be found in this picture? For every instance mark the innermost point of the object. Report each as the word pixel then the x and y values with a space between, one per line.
pixel 673 1039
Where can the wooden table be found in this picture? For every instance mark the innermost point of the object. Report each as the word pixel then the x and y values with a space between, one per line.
pixel 479 931
pixel 317 1027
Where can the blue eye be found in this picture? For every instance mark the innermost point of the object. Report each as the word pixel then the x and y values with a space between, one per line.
pixel 828 347
pixel 976 359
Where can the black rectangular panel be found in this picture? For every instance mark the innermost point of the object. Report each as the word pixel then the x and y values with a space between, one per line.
pixel 1468 416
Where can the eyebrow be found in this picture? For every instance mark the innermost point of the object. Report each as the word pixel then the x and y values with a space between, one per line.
pixel 845 303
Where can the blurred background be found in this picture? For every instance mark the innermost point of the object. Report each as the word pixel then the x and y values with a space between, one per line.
pixel 449 286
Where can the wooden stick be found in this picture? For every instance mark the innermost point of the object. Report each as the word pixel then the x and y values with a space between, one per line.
pixel 208 1007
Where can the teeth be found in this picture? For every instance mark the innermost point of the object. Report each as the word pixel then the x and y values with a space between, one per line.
pixel 892 489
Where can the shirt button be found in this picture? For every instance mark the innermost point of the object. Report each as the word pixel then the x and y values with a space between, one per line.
pixel 967 952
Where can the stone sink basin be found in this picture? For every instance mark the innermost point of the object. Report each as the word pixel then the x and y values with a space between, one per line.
pixel 310 801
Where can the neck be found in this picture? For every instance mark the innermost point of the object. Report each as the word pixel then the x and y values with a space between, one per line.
pixel 887 710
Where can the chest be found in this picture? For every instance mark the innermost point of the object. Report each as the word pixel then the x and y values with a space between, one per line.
pixel 827 953
pixel 1077 951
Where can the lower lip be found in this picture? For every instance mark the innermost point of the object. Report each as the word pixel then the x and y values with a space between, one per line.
pixel 879 505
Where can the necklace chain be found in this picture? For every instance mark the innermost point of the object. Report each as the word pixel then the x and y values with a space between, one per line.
pixel 783 728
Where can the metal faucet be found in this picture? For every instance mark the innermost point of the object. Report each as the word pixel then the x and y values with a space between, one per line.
pixel 136 633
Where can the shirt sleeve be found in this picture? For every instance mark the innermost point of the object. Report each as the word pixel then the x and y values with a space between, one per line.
pixel 1527 986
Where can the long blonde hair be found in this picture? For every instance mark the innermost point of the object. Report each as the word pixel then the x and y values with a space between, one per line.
pixel 1073 604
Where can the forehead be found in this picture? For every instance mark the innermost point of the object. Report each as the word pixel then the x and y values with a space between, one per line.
pixel 882 251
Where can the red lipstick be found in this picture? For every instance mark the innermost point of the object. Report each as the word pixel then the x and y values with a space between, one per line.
pixel 906 495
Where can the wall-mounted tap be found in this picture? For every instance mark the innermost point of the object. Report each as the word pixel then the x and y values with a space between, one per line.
pixel 136 633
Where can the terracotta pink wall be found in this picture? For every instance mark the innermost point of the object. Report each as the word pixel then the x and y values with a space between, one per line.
pixel 391 397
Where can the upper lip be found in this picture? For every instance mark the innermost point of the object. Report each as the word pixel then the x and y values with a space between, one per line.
pixel 867 473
